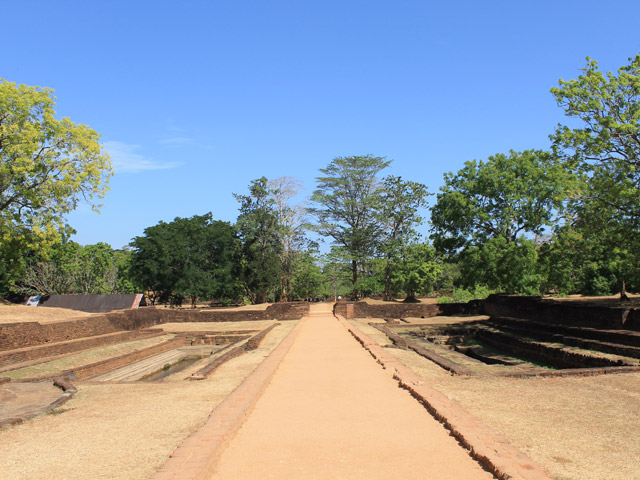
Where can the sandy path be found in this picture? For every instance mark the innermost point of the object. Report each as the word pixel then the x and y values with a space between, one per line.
pixel 332 412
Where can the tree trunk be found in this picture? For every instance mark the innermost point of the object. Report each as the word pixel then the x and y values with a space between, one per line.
pixel 623 290
pixel 387 280
pixel 354 277
pixel 283 290
pixel 261 297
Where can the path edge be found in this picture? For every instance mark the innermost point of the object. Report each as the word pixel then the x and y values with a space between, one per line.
pixel 196 457
pixel 489 448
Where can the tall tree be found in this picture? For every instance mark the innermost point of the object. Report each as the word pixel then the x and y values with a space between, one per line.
pixel 605 147
pixel 47 166
pixel 307 276
pixel 291 220
pixel 399 213
pixel 259 232
pixel 346 199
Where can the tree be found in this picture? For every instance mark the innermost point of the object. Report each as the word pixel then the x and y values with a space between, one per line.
pixel 47 166
pixel 489 214
pixel 415 271
pixel 398 213
pixel 191 258
pixel 70 268
pixel 259 233
pixel 336 277
pixel 307 276
pixel 346 198
pixel 606 146
pixel 290 219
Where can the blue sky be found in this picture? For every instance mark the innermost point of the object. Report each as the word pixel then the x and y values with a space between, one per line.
pixel 194 99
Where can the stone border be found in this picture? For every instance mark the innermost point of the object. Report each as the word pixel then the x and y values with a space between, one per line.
pixel 198 454
pixel 251 344
pixel 457 369
pixel 439 360
pixel 63 383
pixel 488 447
pixel 27 356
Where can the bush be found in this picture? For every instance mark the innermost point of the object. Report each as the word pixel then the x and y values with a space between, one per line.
pixel 462 295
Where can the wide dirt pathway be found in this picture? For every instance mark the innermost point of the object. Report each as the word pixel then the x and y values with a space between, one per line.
pixel 331 411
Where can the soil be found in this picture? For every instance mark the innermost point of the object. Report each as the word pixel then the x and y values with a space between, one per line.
pixel 121 431
pixel 331 412
pixel 577 428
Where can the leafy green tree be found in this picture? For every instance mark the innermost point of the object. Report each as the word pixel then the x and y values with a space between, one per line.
pixel 489 214
pixel 416 271
pixel 70 268
pixel 605 147
pixel 53 275
pixel 504 266
pixel 125 282
pixel 607 144
pixel 259 230
pixel 95 270
pixel 191 258
pixel 398 214
pixel 336 276
pixel 307 276
pixel 346 199
pixel 593 256
pixel 47 166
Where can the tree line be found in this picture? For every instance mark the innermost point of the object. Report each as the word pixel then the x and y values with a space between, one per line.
pixel 563 220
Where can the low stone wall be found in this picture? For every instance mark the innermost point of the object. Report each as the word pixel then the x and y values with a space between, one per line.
pixel 403 310
pixel 252 344
pixel 28 334
pixel 93 370
pixel 62 348
pixel 584 314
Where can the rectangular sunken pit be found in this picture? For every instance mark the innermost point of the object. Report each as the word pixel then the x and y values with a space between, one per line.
pixel 509 346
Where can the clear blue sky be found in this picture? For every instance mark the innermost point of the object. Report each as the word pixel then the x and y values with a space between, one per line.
pixel 194 99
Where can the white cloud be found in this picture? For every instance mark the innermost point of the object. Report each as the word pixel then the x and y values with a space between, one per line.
pixel 126 158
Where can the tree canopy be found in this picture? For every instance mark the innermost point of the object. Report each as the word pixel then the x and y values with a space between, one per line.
pixel 489 214
pixel 607 143
pixel 398 211
pixel 193 258
pixel 47 166
pixel 345 206
pixel 260 231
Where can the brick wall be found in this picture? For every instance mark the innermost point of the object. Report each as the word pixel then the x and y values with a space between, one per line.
pixel 403 310
pixel 27 334
pixel 60 348
pixel 584 314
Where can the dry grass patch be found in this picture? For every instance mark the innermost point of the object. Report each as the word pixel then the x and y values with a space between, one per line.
pixel 579 428
pixel 12 313
pixel 86 357
pixel 121 431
